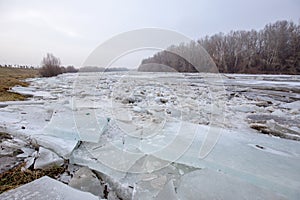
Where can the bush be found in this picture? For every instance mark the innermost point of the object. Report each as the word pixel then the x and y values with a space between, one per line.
pixel 50 66
pixel 71 69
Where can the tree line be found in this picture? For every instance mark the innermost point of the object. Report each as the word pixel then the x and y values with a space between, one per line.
pixel 273 50
pixel 50 66
pixel 102 69
pixel 17 66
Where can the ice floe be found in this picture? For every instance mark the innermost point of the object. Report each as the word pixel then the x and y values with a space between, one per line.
pixel 46 159
pixel 46 188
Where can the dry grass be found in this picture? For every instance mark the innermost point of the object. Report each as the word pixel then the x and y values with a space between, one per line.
pixel 10 77
pixel 16 177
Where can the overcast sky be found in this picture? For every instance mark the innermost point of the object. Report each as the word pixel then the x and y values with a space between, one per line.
pixel 71 30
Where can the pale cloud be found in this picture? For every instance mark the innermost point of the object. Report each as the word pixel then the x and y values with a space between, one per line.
pixel 72 29
pixel 41 20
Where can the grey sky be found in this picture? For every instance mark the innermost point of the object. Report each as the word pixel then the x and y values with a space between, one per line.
pixel 71 30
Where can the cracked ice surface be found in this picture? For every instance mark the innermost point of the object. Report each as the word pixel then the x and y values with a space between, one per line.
pixel 46 188
pixel 156 135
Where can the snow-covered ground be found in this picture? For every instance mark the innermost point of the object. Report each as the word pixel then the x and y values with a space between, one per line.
pixel 167 135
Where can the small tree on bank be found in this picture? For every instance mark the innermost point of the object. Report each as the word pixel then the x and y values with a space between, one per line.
pixel 50 66
pixel 71 69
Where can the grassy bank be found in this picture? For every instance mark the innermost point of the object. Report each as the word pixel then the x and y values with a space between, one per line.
pixel 10 77
pixel 17 177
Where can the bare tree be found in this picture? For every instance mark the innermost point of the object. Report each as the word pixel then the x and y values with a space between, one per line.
pixel 50 66
pixel 275 49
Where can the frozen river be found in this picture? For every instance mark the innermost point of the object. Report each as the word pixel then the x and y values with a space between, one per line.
pixel 169 135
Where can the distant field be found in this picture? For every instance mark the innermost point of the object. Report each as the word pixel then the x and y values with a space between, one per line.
pixel 10 77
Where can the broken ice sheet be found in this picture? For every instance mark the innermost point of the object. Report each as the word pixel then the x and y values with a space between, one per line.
pixel 169 143
pixel 28 162
pixel 292 105
pixel 168 192
pixel 208 184
pixel 120 113
pixel 148 185
pixel 85 180
pixel 46 188
pixel 81 125
pixel 32 91
pixel 47 158
pixel 62 147
pixel 234 156
pixel 280 126
pixel 26 152
pixel 141 131
pixel 108 155
pixel 82 156
pixel 89 125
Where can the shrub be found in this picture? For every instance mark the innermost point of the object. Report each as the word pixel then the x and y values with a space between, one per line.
pixel 50 66
pixel 71 69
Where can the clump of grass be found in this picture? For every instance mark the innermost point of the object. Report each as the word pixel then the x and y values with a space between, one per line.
pixel 10 77
pixel 4 136
pixel 16 177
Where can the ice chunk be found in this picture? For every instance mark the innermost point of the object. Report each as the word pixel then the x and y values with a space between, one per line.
pixel 235 157
pixel 279 113
pixel 64 177
pixel 121 113
pixel 30 160
pixel 31 91
pixel 112 196
pixel 118 187
pixel 47 158
pixel 89 125
pixel 246 108
pixel 137 109
pixel 7 163
pixel 62 125
pixel 293 105
pixel 82 156
pixel 284 120
pixel 85 180
pixel 273 128
pixel 9 103
pixel 148 185
pixel 26 152
pixel 46 188
pixel 108 155
pixel 62 147
pixel 208 184
pixel 81 125
pixel 168 192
